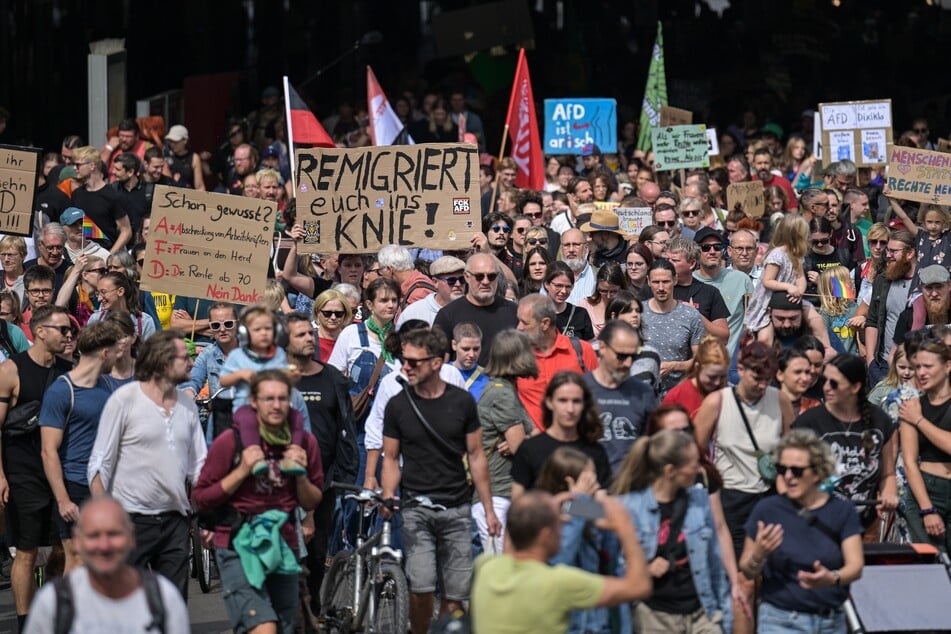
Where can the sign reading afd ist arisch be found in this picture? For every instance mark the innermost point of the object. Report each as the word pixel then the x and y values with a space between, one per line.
pixel 571 124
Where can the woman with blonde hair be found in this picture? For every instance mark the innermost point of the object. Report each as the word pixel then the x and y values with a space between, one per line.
pixel 877 239
pixel 837 305
pixel 333 313
pixel 708 374
pixel 675 522
pixel 901 373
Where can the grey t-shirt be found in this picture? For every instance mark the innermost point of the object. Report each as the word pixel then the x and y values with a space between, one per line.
pixel 624 411
pixel 672 334
pixel 895 303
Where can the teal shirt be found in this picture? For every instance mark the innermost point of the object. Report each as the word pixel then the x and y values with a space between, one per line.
pixel 734 286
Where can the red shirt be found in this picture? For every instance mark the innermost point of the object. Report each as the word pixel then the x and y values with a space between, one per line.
pixel 562 356
pixel 687 394
pixel 792 203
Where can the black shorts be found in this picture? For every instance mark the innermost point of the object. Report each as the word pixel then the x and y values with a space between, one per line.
pixel 78 493
pixel 29 529
pixel 737 507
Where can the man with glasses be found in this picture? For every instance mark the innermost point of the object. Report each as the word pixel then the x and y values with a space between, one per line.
pixel 890 295
pixel 76 245
pixel 574 253
pixel 683 254
pixel 38 285
pixel 148 446
pixel 734 286
pixel 743 246
pixel 625 403
pixel 24 490
pixel 481 304
pixel 438 541
pixel 51 251
pixel 813 202
pixel 449 275
pixel 666 217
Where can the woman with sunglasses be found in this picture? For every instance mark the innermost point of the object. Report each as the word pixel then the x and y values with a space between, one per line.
pixel 878 236
pixel 78 292
pixel 513 254
pixel 691 211
pixel 608 282
pixel 822 254
pixel 537 237
pixel 116 292
pixel 332 313
pixel 926 446
pixel 533 275
pixel 656 484
pixel 656 239
pixel 860 434
pixel 628 307
pixel 571 320
pixel 805 544
pixel 639 260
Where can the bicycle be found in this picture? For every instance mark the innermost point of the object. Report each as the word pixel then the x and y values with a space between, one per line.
pixel 200 559
pixel 365 589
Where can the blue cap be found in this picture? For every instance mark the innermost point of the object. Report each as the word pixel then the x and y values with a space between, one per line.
pixel 71 215
pixel 590 149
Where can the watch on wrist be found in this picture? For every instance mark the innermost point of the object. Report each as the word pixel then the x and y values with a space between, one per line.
pixel 928 511
pixel 838 578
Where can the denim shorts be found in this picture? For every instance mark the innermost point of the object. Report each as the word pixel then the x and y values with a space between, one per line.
pixel 247 607
pixel 438 548
pixel 773 620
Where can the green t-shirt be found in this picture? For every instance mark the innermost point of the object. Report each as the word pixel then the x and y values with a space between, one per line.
pixel 518 596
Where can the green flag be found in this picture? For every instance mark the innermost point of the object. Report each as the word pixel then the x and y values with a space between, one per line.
pixel 655 93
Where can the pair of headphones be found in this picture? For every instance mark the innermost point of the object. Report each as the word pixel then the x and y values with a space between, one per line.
pixel 279 332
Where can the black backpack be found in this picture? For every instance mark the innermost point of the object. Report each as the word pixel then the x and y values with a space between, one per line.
pixel 66 605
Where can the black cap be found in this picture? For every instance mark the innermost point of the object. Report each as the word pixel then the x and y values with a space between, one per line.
pixel 780 301
pixel 706 232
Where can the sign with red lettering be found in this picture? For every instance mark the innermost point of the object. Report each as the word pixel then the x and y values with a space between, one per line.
pixel 358 200
pixel 17 189
pixel 920 175
pixel 209 246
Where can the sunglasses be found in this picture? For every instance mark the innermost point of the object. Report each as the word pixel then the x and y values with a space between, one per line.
pixel 667 223
pixel 333 314
pixel 711 247
pixel 520 230
pixel 63 330
pixel 920 130
pixel 796 472
pixel 534 241
pixel 833 383
pixel 412 363
pixel 485 276
pixel 221 325
pixel 500 228
pixel 690 213
pixel 536 214
pixel 376 270
pixel 452 280
pixel 877 243
pixel 621 356
pixel 820 243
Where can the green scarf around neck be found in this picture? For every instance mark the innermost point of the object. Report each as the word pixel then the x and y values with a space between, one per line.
pixel 280 437
pixel 380 332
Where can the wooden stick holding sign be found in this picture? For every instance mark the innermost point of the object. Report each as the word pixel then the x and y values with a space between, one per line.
pixel 498 174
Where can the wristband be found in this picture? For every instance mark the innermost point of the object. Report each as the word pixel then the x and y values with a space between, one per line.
pixel 918 422
pixel 928 511
pixel 838 578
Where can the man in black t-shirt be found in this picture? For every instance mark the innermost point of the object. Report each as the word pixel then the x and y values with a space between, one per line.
pixel 684 253
pixel 481 305
pixel 100 203
pixel 325 393
pixel 432 437
pixel 134 195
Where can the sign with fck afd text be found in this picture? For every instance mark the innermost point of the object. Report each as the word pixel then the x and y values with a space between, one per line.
pixel 209 246
pixel 358 200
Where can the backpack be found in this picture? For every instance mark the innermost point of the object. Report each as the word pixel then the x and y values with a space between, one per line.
pixel 66 605
pixel 409 292
pixel 576 344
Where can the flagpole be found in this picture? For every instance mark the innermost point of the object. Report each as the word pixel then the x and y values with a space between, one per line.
pixel 290 136
pixel 498 174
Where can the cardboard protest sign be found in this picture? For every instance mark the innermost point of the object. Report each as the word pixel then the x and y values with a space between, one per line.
pixel 860 131
pixel 571 124
pixel 919 175
pixel 209 246
pixel 680 147
pixel 944 145
pixel 674 116
pixel 749 195
pixel 18 170
pixel 357 200
pixel 608 205
pixel 713 143
pixel 633 219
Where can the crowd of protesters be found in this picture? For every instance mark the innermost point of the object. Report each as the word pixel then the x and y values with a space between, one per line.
pixel 722 387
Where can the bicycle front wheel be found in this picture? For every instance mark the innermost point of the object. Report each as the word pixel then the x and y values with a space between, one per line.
pixel 336 594
pixel 392 601
pixel 201 558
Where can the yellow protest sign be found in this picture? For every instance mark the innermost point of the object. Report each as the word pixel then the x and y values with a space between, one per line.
pixel 357 200
pixel 209 246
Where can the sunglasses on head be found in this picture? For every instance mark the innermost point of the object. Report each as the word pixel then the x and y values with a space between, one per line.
pixel 716 246
pixel 452 280
pixel 335 314
pixel 222 325
pixel 485 276
pixel 534 241
pixel 796 472
pixel 500 228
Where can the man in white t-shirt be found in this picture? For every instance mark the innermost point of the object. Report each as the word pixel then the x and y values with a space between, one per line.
pixel 448 273
pixel 107 593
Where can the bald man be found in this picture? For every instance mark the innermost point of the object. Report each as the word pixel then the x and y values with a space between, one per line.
pixel 649 191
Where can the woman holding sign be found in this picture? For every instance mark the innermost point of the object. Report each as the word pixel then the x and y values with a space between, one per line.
pixel 78 293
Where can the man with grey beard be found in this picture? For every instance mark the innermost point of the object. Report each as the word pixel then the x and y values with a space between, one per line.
pixel 574 253
pixel 624 402
pixel 931 307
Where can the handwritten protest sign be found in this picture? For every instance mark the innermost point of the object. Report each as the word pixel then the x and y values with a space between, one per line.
pixel 680 147
pixel 633 219
pixel 749 195
pixel 571 124
pixel 919 175
pixel 209 246
pixel 944 145
pixel 17 189
pixel 608 205
pixel 859 131
pixel 360 199
pixel 674 116
pixel 713 143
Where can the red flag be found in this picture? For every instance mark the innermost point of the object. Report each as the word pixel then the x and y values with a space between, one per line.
pixel 304 127
pixel 523 130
